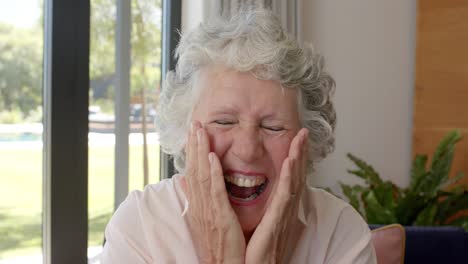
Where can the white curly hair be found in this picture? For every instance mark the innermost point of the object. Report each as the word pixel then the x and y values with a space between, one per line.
pixel 252 41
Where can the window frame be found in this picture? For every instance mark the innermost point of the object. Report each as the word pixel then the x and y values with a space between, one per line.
pixel 65 137
pixel 171 27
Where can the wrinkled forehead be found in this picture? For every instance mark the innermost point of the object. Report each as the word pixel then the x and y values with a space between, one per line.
pixel 223 87
pixel 218 76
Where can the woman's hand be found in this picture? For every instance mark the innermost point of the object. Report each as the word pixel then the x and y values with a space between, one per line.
pixel 215 230
pixel 268 242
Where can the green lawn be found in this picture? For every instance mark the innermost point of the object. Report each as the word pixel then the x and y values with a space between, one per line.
pixel 21 194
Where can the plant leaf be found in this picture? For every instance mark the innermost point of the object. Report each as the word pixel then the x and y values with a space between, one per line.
pixel 452 204
pixel 427 216
pixel 442 161
pixel 418 171
pixel 384 194
pixel 451 181
pixel 409 206
pixel 359 173
pixel 376 213
pixel 368 172
pixel 430 199
pixel 352 193
pixel 446 144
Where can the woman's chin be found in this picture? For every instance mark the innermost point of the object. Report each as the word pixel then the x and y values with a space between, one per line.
pixel 249 226
pixel 250 213
pixel 249 218
pixel 248 229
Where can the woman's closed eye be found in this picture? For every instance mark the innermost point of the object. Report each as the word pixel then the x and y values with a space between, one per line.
pixel 228 122
pixel 224 122
pixel 273 128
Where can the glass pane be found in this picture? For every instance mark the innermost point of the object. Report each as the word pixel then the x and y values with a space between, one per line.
pixel 101 137
pixel 145 76
pixel 144 89
pixel 21 42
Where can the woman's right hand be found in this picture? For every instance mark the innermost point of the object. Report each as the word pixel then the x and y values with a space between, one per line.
pixel 216 232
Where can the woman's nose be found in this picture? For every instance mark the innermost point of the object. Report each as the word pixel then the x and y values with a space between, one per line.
pixel 247 144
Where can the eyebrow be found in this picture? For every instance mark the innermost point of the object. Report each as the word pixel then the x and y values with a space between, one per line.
pixel 223 110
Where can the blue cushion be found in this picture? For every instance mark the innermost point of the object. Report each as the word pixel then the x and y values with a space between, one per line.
pixel 435 244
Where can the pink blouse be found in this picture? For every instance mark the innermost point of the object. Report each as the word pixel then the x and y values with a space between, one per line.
pixel 149 227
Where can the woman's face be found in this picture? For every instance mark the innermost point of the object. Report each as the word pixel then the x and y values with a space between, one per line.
pixel 251 124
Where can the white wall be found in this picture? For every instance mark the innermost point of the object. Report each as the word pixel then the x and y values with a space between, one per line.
pixel 368 46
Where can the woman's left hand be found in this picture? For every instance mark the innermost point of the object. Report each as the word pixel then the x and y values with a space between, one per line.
pixel 268 242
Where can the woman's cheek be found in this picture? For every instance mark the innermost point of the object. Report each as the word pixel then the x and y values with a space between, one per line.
pixel 218 140
pixel 279 147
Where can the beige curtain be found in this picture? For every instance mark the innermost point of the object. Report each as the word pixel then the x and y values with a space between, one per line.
pixel 230 7
pixel 287 10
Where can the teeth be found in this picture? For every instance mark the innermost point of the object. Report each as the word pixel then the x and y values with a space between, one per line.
pixel 249 183
pixel 258 180
pixel 244 181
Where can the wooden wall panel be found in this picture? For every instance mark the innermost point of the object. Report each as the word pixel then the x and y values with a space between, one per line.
pixel 441 81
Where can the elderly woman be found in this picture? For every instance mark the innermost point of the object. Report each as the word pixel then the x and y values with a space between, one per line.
pixel 246 115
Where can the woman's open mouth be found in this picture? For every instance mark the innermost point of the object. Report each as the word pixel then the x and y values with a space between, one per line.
pixel 244 187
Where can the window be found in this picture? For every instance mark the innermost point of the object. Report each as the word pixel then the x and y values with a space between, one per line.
pixel 51 211
pixel 125 65
pixel 21 41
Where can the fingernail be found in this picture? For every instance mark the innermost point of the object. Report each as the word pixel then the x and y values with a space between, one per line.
pixel 210 157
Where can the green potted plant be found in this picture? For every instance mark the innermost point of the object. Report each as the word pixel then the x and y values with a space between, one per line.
pixel 429 200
